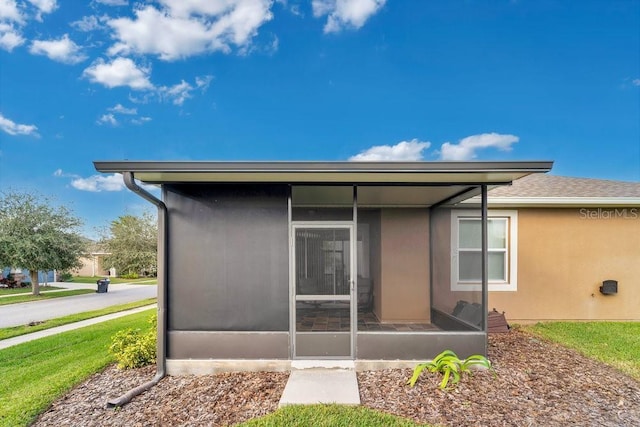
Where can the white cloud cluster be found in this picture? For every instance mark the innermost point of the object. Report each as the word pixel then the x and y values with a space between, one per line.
pixel 43 6
pixel 402 151
pixel 183 28
pixel 88 23
pixel 111 117
pixel 467 147
pixel 342 14
pixel 11 20
pixel 180 92
pixel 107 119
pixel 15 15
pixel 113 2
pixel 98 183
pixel 635 82
pixel 61 50
pixel 13 128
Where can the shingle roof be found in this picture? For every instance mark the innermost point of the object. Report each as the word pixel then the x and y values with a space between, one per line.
pixel 545 186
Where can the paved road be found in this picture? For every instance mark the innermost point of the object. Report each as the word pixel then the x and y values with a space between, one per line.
pixel 37 311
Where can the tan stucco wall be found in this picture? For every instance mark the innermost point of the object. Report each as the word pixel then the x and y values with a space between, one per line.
pixel 444 299
pixel 91 266
pixel 563 257
pixel 404 288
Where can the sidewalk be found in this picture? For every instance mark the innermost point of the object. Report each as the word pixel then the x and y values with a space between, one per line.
pixel 68 287
pixel 10 342
pixel 37 311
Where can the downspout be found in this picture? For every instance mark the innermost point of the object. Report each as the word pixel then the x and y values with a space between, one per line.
pixel 161 348
pixel 485 268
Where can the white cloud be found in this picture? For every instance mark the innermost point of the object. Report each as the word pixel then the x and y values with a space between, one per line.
pixel 119 72
pixel 203 82
pixel 62 174
pixel 120 109
pixel 107 119
pixel 635 82
pixel 9 12
pixel 184 28
pixel 13 128
pixel 140 121
pixel 98 183
pixel 113 2
pixel 466 148
pixel 62 50
pixel 344 14
pixel 10 38
pixel 177 93
pixel 402 151
pixel 44 6
pixel 87 23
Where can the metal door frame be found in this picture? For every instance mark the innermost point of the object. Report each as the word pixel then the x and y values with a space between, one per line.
pixel 293 297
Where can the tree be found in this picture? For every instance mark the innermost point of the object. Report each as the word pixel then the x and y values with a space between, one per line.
pixel 36 235
pixel 132 244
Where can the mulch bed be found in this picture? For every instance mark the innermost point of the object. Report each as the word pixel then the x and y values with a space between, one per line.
pixel 537 383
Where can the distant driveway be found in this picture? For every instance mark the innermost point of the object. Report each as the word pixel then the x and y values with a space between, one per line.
pixel 38 311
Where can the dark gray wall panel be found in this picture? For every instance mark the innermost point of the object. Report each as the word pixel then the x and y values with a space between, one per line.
pixel 412 346
pixel 228 345
pixel 228 257
pixel 323 345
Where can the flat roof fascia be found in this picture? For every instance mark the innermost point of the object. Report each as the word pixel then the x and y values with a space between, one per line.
pixel 326 172
pixel 561 202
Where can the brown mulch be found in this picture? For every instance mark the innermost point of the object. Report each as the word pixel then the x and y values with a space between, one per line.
pixel 537 383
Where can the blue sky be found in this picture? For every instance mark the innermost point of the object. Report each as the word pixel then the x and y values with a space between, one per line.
pixel 311 80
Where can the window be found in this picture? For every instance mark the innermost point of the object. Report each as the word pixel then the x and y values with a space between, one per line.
pixel 466 254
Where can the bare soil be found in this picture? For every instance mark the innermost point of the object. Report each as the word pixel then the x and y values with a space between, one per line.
pixel 537 383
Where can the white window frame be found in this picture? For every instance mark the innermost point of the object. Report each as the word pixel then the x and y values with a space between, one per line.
pixel 511 284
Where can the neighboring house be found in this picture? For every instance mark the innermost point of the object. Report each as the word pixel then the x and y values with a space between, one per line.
pixel 553 241
pixel 23 275
pixel 93 265
pixel 261 263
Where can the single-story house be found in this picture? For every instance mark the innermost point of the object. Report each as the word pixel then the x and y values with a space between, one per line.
pixel 262 263
pixel 93 265
pixel 569 249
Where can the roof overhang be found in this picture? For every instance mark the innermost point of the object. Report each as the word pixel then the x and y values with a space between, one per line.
pixel 390 173
pixel 562 202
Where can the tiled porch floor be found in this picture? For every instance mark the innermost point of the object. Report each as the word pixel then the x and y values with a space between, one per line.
pixel 319 319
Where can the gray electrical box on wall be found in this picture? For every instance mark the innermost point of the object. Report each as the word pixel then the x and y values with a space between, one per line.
pixel 609 287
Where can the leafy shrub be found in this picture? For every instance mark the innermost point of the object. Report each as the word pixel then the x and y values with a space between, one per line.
pixel 65 277
pixel 130 276
pixel 133 348
pixel 450 366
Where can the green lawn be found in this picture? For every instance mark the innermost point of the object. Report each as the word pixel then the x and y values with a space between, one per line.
pixel 13 291
pixel 27 298
pixel 34 374
pixel 328 416
pixel 26 329
pixel 114 280
pixel 614 343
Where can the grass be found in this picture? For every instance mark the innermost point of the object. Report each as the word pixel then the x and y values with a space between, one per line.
pixel 34 374
pixel 26 329
pixel 614 343
pixel 328 416
pixel 13 291
pixel 27 298
pixel 114 280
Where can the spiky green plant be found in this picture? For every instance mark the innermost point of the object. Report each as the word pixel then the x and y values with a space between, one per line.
pixel 450 366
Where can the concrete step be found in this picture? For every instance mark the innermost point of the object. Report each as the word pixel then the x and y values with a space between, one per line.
pixel 312 382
